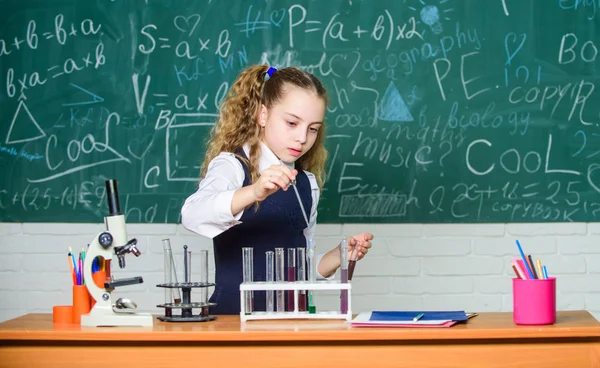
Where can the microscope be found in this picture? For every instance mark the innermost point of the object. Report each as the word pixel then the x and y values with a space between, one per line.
pixel 107 244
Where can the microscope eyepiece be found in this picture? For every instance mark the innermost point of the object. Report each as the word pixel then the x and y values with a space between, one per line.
pixel 112 197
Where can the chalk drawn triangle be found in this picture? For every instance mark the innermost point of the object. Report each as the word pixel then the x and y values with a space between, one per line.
pixel 94 97
pixel 27 125
pixel 392 107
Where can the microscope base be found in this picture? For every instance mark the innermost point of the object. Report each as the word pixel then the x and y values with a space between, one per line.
pixel 106 318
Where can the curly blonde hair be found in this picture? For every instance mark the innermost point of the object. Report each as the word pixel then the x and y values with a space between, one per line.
pixel 238 118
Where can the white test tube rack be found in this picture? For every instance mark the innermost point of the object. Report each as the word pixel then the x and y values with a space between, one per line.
pixel 247 287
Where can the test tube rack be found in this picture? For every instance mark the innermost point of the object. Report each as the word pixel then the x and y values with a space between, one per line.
pixel 296 286
pixel 187 305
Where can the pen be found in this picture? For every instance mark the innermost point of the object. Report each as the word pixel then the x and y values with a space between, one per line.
pixel 74 266
pixel 517 268
pixel 532 266
pixel 524 260
pixel 539 269
pixel 521 265
pixel 73 275
pixel 418 317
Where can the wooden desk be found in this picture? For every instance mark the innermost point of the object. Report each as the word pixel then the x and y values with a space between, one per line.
pixel 489 340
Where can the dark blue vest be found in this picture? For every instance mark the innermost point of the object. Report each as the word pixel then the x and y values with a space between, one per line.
pixel 278 223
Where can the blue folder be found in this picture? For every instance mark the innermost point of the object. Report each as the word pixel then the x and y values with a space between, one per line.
pixel 459 316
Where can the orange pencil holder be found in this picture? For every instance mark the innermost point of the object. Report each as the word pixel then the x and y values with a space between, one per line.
pixel 99 278
pixel 81 302
pixel 62 314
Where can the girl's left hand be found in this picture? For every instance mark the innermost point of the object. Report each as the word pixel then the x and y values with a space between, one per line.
pixel 362 241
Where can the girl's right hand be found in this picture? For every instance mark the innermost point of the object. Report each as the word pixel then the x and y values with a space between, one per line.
pixel 272 179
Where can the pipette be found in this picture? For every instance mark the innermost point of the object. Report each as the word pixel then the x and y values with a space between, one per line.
pixel 293 184
pixel 300 203
pixel 310 251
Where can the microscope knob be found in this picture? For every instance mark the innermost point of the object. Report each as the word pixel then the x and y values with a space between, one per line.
pixel 105 239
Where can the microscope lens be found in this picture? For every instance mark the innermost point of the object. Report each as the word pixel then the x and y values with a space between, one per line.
pixel 112 197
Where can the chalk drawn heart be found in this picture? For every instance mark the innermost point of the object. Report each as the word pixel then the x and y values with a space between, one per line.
pixel 183 23
pixel 509 55
pixel 277 16
pixel 138 145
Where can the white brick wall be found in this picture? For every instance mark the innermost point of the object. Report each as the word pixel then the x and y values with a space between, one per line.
pixel 462 266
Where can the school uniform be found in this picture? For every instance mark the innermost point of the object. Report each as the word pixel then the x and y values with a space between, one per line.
pixel 277 222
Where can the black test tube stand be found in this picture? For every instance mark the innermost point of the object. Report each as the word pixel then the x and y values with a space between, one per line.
pixel 186 304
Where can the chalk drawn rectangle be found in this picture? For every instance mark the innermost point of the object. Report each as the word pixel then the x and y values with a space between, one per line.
pixel 373 205
pixel 185 145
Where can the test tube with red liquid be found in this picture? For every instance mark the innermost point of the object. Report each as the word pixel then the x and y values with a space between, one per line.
pixel 344 275
pixel 353 259
pixel 291 276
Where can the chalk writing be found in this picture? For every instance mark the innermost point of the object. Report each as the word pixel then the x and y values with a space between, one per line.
pixel 438 110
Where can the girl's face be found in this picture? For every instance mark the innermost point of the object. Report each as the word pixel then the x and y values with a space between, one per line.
pixel 292 124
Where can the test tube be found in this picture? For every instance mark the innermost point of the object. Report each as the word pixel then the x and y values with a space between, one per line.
pixel 344 275
pixel 176 294
pixel 269 271
pixel 204 275
pixel 188 277
pixel 312 276
pixel 279 278
pixel 248 276
pixel 353 259
pixel 291 276
pixel 168 276
pixel 301 276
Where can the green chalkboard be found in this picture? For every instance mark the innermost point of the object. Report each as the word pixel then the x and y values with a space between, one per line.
pixel 440 110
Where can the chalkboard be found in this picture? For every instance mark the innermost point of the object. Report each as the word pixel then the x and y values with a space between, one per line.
pixel 439 111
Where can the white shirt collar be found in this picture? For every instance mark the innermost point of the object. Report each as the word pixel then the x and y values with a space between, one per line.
pixel 267 158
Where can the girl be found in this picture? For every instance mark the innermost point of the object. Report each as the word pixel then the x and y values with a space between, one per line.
pixel 269 133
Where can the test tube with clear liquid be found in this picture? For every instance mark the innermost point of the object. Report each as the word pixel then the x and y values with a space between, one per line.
pixel 187 264
pixel 301 276
pixel 279 266
pixel 270 278
pixel 187 276
pixel 204 280
pixel 172 295
pixel 291 276
pixel 168 277
pixel 312 276
pixel 248 276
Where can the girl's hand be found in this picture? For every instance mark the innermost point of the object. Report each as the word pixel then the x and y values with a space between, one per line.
pixel 361 243
pixel 272 179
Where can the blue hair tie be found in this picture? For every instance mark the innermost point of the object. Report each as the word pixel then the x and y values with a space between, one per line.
pixel 271 71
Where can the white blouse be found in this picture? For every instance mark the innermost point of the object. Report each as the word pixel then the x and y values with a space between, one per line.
pixel 207 212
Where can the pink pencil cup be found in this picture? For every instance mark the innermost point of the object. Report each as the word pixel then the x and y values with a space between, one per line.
pixel 534 301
